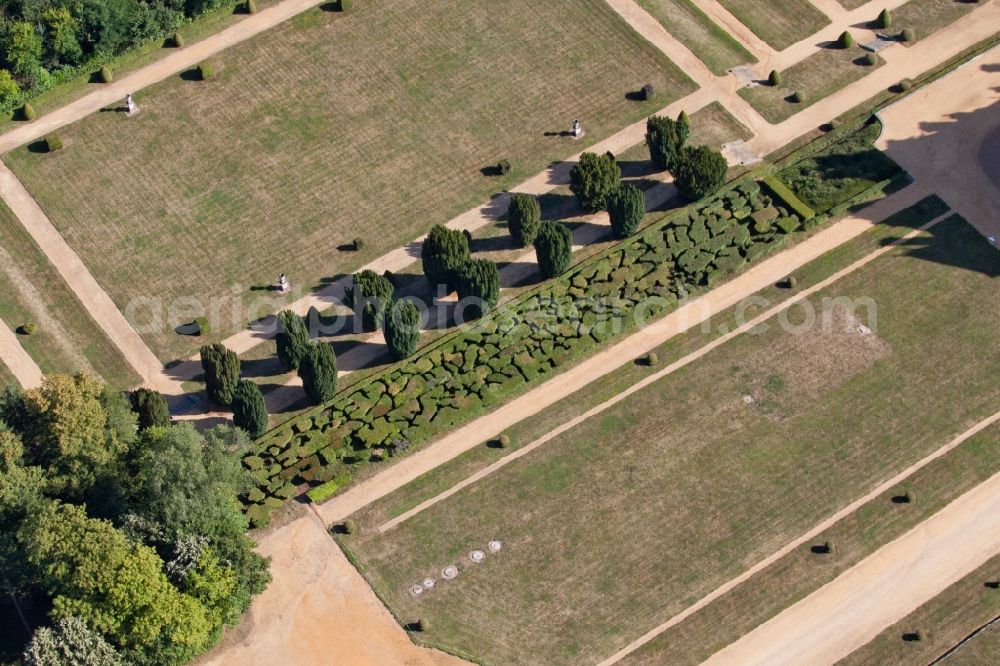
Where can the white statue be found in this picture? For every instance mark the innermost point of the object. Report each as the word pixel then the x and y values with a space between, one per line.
pixel 283 285
pixel 130 104
pixel 577 129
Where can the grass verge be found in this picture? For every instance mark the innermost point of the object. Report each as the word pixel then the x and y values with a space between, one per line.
pixel 685 21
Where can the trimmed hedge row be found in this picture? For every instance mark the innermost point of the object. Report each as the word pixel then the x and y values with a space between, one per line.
pixel 522 343
pixel 783 192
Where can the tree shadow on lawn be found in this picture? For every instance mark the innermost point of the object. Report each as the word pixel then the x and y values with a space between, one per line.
pixel 262 367
pixel 558 206
pixel 954 242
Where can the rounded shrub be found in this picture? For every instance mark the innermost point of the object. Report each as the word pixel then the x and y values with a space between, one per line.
pixel 652 358
pixel 206 71
pixel 106 75
pixel 665 138
pixel 350 527
pixel 646 93
pixel 442 253
pixel 369 297
pixel 791 282
pixel 553 248
pixel 292 339
pixel 870 60
pixel 421 625
pixel 907 35
pixel 28 112
pixel 884 20
pixel 479 287
pixel 358 244
pixel 910 496
pixel 798 97
pixel 53 143
pixel 700 172
pixel 344 5
pixel 920 635
pixel 846 40
pixel 503 167
pixel 178 40
pixel 828 547
pixel 523 217
pixel 251 7
pixel 774 78
pixel 28 329
pixel 151 408
pixel 592 179
pixel 503 441
pixel 905 85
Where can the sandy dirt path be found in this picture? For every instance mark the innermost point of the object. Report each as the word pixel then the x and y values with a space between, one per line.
pixel 962 109
pixel 880 590
pixel 736 29
pixel 548 393
pixel 20 364
pixel 317 610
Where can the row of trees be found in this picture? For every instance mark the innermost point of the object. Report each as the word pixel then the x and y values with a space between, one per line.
pixel 699 171
pixel 225 387
pixel 130 533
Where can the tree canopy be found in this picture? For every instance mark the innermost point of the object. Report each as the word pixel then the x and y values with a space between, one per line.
pixel 443 253
pixel 318 371
pixel 700 172
pixel 523 217
pixel 369 297
pixel 478 287
pixel 665 139
pixel 292 339
pixel 626 207
pixel 402 329
pixel 553 248
pixel 593 178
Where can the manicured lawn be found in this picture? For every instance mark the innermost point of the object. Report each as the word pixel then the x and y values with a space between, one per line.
pixel 927 16
pixel 713 45
pixel 406 102
pixel 945 620
pixel 67 339
pixel 628 518
pixel 821 74
pixel 780 23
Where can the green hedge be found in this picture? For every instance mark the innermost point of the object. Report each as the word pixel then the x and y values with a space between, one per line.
pixel 325 491
pixel 782 191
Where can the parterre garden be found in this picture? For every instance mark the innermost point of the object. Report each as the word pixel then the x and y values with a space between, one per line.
pixel 626 519
pixel 780 23
pixel 714 46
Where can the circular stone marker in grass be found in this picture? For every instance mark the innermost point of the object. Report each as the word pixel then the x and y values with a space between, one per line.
pixel 417 590
pixel 477 556
pixel 428 583
pixel 495 545
pixel 449 573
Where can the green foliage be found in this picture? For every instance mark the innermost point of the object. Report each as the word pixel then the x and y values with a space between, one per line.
pixel 652 358
pixel 553 248
pixel 22 48
pixel 29 328
pixel 53 143
pixel 774 78
pixel 908 35
pixel 251 7
pixel 905 85
pixel 700 172
pixel 646 92
pixel 292 339
pixel 177 40
pixel 344 5
pixel 325 491
pixel 350 527
pixel 478 287
pixel 503 441
pixel 626 208
pixel 249 410
pixel 222 372
pixel 846 40
pixel 592 179
pixel 523 218
pixel 443 252
pixel 798 97
pixel 106 75
pixel 318 371
pixel 665 139
pixel 70 642
pixel 422 625
pixel 871 59
pixel 780 190
pixel 28 112
pixel 9 89
pixel 203 326
pixel 370 296
pixel 206 71
pixel 503 167
pixel 884 20
pixel 402 329
pixel 151 408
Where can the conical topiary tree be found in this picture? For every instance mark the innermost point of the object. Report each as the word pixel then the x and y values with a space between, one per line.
pixel 318 371
pixel 249 410
pixel 370 296
pixel 846 40
pixel 478 287
pixel 443 252
pixel 523 218
pixel 774 78
pixel 702 171
pixel 554 248
pixel 151 408
pixel 402 328
pixel 292 339
pixel 665 139
pixel 222 372
pixel 884 20
pixel 626 206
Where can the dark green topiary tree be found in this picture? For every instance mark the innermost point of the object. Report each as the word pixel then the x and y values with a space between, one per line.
pixel 370 296
pixel 151 408
pixel 318 371
pixel 249 410
pixel 592 178
pixel 626 206
pixel 292 339
pixel 402 328
pixel 523 218
pixel 846 40
pixel 554 248
pixel 222 372
pixel 666 138
pixel 884 20
pixel 774 78
pixel 908 35
pixel 479 284
pixel 701 172
pixel 444 251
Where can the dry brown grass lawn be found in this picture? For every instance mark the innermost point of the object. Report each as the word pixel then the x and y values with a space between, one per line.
pixel 630 517
pixel 927 16
pixel 713 45
pixel 372 124
pixel 780 23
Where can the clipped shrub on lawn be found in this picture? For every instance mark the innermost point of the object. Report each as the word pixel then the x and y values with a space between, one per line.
pixel 553 248
pixel 646 92
pixel 402 329
pixel 846 40
pixel 53 143
pixel 828 547
pixel 905 85
pixel 222 372
pixel 798 97
pixel 479 284
pixel 206 71
pixel 292 339
pixel 28 329
pixel 318 371
pixel 592 179
pixel 369 298
pixel 774 78
pixel 249 411
pixel 884 20
pixel 106 75
pixel 665 139
pixel 344 5
pixel 907 35
pixel 503 167
pixel 350 527
pixel 871 59
pixel 444 251
pixel 652 358
pixel 700 172
pixel 358 244
pixel 251 7
pixel 151 408
pixel 177 40
pixel 28 112
pixel 626 205
pixel 920 635
pixel 523 218
pixel 910 496
pixel 503 441
pixel 422 625
pixel 790 282
pixel 202 325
